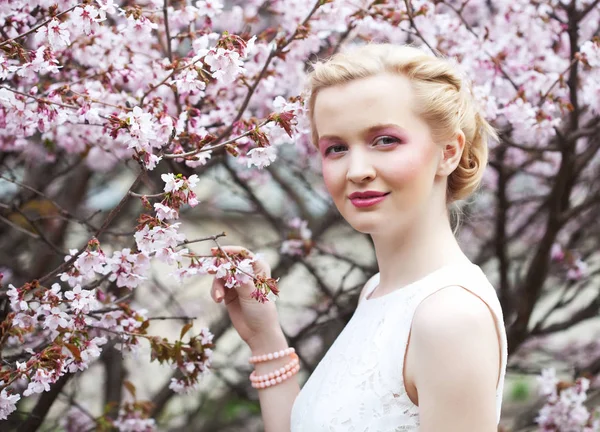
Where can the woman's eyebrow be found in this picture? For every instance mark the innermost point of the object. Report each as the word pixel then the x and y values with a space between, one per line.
pixel 364 133
pixel 378 127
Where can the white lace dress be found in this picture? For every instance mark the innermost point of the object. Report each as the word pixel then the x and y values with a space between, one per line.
pixel 358 385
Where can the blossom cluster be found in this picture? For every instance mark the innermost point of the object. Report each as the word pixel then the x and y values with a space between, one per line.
pixel 108 82
pixel 564 410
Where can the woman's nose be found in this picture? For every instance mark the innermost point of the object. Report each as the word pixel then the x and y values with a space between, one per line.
pixel 360 169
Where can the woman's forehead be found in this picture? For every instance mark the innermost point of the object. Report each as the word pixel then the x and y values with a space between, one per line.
pixel 364 103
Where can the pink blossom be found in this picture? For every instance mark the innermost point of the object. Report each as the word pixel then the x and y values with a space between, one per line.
pixel 85 19
pixel 40 382
pixel 261 156
pixel 17 303
pixel 150 240
pixel 225 65
pixel 127 268
pixel 55 33
pixel 578 271
pixel 164 212
pixel 107 6
pixel 188 81
pixel 82 300
pixel 57 318
pixel 124 424
pixel 210 8
pixel 557 253
pixel 172 184
pixel 591 51
pixel 7 403
pixel 547 382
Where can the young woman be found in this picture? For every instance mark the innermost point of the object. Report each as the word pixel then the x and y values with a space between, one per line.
pixel 400 140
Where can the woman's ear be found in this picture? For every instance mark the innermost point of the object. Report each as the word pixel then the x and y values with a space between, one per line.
pixel 451 153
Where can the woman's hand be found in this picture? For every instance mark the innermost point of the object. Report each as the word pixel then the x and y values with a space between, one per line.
pixel 257 323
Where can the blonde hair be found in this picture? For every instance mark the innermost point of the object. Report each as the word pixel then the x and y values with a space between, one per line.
pixel 444 101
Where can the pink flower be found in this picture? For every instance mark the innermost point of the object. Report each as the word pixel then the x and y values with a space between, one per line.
pixel 57 318
pixel 40 382
pixel 225 65
pixel 261 156
pixel 591 51
pixel 164 212
pixel 85 19
pixel 55 33
pixel 557 253
pixel 172 183
pixel 82 300
pixel 7 403
pixel 578 271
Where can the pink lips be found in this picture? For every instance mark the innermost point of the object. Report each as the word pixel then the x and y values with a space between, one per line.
pixel 367 199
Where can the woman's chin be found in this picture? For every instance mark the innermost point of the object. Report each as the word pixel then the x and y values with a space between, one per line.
pixel 367 225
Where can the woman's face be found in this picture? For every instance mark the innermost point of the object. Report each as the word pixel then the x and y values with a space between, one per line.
pixel 372 142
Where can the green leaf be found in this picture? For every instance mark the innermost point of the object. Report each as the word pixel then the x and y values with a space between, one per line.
pixel 185 329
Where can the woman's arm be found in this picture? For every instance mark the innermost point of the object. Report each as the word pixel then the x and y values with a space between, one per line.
pixel 275 402
pixel 457 362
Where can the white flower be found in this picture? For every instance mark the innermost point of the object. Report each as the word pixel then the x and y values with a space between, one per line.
pixel 591 50
pixel 40 382
pixel 165 212
pixel 193 181
pixel 172 184
pixel 82 300
pixel 107 6
pixel 579 271
pixel 85 19
pixel 7 404
pixel 245 271
pixel 261 156
pixel 55 33
pixel 225 65
pixel 57 318
pixel 210 8
pixel 547 382
pixel 17 304
pixel 189 82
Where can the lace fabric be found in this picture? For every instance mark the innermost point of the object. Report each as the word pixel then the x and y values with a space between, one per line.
pixel 358 385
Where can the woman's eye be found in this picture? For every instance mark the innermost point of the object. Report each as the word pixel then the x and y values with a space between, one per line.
pixel 335 149
pixel 387 140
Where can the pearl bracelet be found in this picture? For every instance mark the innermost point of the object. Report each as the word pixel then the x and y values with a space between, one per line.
pixel 278 380
pixel 277 372
pixel 271 356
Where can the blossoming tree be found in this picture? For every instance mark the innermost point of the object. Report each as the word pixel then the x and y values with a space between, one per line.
pixel 171 91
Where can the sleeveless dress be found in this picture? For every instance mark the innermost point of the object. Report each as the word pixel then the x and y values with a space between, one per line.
pixel 358 385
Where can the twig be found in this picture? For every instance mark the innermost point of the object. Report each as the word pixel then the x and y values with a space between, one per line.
pixel 213 237
pixel 45 101
pixel 414 25
pixel 19 228
pixel 215 147
pixel 38 26
pixel 136 195
pixel 545 95
pixel 183 318
pixel 168 35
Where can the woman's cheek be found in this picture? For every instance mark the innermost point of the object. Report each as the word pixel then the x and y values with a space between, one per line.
pixel 331 176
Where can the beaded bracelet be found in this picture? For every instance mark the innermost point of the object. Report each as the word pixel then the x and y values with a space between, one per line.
pixel 277 372
pixel 278 380
pixel 271 356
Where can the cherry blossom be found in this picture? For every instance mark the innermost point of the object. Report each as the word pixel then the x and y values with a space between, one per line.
pixel 182 87
pixel 261 157
pixel 7 403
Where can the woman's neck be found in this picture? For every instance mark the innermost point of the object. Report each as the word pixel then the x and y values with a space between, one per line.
pixel 408 254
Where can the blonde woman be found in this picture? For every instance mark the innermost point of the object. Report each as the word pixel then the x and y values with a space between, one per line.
pixel 400 140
